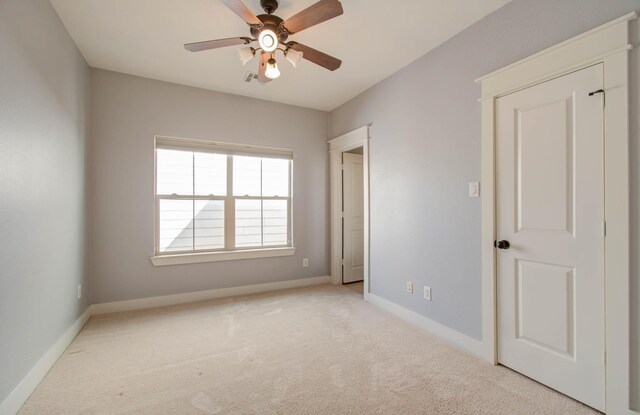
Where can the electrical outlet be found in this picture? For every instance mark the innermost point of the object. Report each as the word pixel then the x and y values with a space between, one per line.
pixel 410 287
pixel 79 291
pixel 427 293
pixel 305 262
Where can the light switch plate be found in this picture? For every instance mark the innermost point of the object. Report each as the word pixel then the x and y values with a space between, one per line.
pixel 474 189
pixel 427 293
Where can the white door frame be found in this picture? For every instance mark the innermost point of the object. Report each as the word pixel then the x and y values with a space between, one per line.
pixel 608 44
pixel 337 146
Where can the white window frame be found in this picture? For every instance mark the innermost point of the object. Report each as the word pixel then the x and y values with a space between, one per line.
pixel 229 252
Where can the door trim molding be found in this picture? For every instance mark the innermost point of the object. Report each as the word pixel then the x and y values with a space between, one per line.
pixel 337 146
pixel 608 44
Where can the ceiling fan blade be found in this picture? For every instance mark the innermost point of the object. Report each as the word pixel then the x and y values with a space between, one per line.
pixel 262 68
pixel 313 15
pixel 215 44
pixel 315 56
pixel 243 11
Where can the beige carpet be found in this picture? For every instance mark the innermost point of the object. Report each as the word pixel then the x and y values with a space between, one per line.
pixel 318 350
pixel 356 286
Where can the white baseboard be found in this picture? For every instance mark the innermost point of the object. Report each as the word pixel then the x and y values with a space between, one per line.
pixel 191 297
pixel 21 393
pixel 454 337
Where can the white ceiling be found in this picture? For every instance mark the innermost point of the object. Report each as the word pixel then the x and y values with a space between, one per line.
pixel 374 38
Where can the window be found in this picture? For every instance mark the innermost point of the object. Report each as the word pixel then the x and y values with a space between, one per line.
pixel 214 197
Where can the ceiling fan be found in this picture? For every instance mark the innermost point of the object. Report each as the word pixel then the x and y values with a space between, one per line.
pixel 270 31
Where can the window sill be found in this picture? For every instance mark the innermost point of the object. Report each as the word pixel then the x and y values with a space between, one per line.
pixel 195 258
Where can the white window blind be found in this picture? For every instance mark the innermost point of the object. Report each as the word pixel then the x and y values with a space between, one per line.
pixel 221 197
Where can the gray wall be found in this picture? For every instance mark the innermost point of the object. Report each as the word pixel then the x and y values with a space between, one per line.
pixel 425 147
pixel 127 112
pixel 44 128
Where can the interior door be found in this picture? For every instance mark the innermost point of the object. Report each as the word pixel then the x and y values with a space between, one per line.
pixel 550 220
pixel 353 208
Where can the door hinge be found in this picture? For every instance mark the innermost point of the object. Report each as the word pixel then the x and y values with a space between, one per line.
pixel 342 262
pixel 342 166
pixel 604 228
pixel 342 215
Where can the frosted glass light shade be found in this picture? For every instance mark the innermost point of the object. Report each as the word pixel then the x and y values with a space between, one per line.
pixel 294 57
pixel 245 55
pixel 272 71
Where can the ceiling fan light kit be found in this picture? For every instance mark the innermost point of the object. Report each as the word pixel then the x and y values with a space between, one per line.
pixel 270 31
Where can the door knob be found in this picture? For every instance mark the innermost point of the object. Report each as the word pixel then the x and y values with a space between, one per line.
pixel 501 244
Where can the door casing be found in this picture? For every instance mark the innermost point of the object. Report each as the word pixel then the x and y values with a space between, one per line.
pixel 608 44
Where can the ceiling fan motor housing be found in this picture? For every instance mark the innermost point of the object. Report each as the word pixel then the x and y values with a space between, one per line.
pixel 270 22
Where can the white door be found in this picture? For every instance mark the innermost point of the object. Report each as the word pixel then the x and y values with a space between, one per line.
pixel 550 208
pixel 353 208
